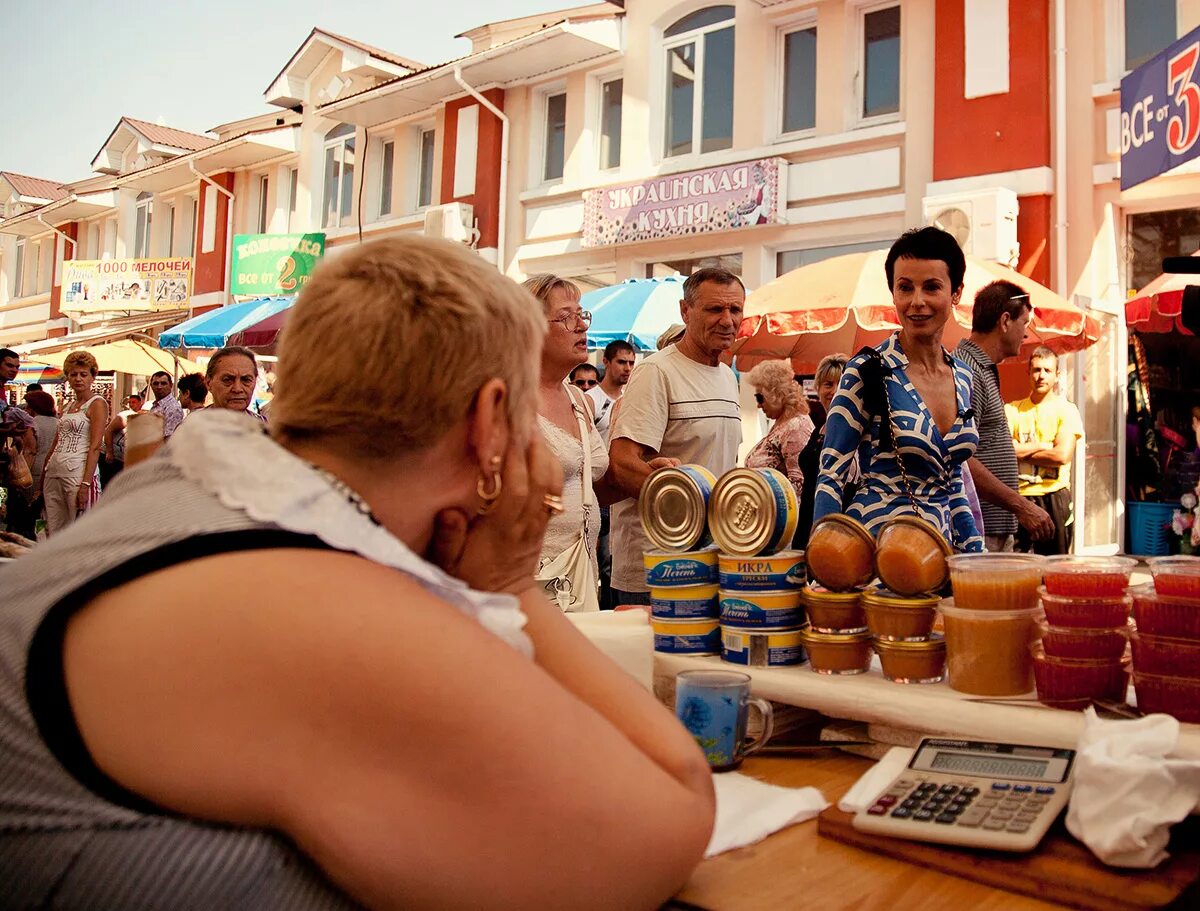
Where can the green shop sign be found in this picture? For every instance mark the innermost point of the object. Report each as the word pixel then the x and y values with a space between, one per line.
pixel 274 263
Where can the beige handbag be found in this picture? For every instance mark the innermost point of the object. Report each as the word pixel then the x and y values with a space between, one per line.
pixel 569 578
pixel 19 475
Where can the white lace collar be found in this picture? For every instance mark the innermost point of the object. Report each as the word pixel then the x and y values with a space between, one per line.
pixel 231 456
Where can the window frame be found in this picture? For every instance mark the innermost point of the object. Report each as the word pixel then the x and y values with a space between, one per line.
pixel 337 138
pixel 386 189
pixel 864 8
pixel 799 23
pixel 262 214
pixel 695 36
pixel 19 267
pixel 419 132
pixel 192 227
pixel 144 204
pixel 600 80
pixel 171 228
pixel 293 188
pixel 1115 55
pixel 543 122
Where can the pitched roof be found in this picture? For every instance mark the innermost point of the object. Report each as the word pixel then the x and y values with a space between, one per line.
pixel 405 62
pixel 35 187
pixel 179 139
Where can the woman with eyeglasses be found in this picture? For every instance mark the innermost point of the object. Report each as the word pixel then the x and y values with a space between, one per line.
pixel 570 570
pixel 828 375
pixel 782 400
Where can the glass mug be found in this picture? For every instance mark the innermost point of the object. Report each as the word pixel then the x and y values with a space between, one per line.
pixel 714 707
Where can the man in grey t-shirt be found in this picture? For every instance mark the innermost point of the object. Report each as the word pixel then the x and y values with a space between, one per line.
pixel 680 406
pixel 999 320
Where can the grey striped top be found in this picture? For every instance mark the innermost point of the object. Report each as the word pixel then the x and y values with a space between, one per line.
pixel 995 449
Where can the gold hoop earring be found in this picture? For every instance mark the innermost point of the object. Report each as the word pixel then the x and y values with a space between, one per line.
pixel 489 497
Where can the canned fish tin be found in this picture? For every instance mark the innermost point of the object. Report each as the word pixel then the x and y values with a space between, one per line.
pixel 686 637
pixel 684 603
pixel 775 572
pixel 666 569
pixel 753 511
pixel 762 647
pixel 762 609
pixel 673 507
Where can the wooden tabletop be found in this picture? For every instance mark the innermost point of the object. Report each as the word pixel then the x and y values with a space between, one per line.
pixel 796 867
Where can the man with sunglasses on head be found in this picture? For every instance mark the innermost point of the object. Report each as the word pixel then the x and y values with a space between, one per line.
pixel 999 323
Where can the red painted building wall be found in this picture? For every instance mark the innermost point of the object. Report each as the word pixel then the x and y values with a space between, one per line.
pixel 486 198
pixel 71 229
pixel 211 268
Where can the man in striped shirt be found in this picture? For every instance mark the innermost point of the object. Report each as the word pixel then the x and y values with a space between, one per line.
pixel 999 320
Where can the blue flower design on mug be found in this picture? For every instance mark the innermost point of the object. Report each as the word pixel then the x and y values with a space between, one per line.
pixel 695 715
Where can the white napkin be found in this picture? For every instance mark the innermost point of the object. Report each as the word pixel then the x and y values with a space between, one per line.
pixel 1128 791
pixel 749 810
pixel 625 636
pixel 873 781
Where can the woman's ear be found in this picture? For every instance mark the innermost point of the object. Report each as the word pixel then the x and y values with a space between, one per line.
pixel 488 429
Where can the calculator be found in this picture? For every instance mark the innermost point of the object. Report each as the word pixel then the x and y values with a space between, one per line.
pixel 1001 796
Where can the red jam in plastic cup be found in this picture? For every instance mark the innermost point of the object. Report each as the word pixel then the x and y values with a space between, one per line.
pixel 1087 577
pixel 1085 613
pixel 1176 577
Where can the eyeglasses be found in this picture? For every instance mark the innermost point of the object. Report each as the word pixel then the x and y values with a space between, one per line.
pixel 586 383
pixel 571 320
pixel 758 397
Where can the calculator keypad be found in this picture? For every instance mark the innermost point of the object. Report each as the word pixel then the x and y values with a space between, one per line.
pixel 1006 806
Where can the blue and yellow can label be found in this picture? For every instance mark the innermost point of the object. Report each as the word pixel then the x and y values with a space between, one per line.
pixel 690 602
pixel 762 647
pixel 667 570
pixel 762 609
pixel 773 572
pixel 686 637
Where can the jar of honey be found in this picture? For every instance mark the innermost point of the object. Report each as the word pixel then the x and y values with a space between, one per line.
pixel 841 553
pixel 987 651
pixel 838 653
pixel 833 612
pixel 893 617
pixel 910 556
pixel 912 662
pixel 999 582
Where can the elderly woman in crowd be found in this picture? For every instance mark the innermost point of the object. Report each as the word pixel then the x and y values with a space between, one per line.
pixel 231 376
pixel 70 481
pixel 903 409
pixel 315 669
pixel 828 375
pixel 782 400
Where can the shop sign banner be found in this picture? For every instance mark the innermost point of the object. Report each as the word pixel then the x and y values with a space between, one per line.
pixel 265 264
pixel 675 205
pixel 90 285
pixel 1160 112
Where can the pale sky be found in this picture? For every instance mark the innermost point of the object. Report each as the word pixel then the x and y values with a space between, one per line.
pixel 69 69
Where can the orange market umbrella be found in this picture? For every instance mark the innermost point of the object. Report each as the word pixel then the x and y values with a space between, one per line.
pixel 843 303
pixel 1158 306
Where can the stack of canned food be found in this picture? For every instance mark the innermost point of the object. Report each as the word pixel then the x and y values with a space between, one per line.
pixel 849 617
pixel 721 580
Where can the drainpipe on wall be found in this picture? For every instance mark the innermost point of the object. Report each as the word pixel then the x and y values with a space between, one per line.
pixel 205 179
pixel 67 237
pixel 502 207
pixel 1060 147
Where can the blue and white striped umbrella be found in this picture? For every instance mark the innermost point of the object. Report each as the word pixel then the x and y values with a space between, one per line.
pixel 638 311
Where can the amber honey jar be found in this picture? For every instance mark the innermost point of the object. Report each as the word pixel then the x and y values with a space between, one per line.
pixel 987 651
pixel 1001 582
pixel 910 556
pixel 921 661
pixel 894 617
pixel 841 553
pixel 838 653
pixel 833 612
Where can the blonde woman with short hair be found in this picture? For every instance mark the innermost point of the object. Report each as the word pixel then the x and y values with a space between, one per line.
pixel 782 400
pixel 313 669
pixel 70 479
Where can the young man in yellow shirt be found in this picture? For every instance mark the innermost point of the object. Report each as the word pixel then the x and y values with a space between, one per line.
pixel 1045 428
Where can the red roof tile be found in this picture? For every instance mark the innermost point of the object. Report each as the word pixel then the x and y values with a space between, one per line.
pixel 376 52
pixel 35 187
pixel 179 139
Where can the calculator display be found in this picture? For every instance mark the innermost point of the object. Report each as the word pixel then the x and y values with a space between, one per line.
pixel 989 766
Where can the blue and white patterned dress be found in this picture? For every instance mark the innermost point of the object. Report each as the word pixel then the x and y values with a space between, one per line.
pixel 934 462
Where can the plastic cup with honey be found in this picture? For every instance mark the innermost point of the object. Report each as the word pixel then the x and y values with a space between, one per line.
pixel 999 582
pixel 987 651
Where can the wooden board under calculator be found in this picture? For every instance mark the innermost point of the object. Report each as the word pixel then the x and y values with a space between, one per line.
pixel 999 796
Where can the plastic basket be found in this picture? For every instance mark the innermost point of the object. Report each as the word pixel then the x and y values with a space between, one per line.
pixel 1149 528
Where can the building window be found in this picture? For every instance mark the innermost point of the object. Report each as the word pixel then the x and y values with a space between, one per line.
pixel 799 80
pixel 787 260
pixel 1149 27
pixel 171 251
pixel 386 170
pixel 1153 235
pixel 699 50
pixel 339 175
pixel 610 123
pixel 730 261
pixel 425 169
pixel 141 234
pixel 293 184
pixel 555 147
pixel 19 269
pixel 192 226
pixel 881 62
pixel 263 219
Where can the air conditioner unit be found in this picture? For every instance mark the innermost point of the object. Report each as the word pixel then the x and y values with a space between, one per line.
pixel 983 222
pixel 453 221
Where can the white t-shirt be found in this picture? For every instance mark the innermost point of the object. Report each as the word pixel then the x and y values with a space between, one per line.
pixel 680 409
pixel 602 404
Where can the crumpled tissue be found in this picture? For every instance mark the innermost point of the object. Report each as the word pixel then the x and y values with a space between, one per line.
pixel 749 810
pixel 875 780
pixel 1128 791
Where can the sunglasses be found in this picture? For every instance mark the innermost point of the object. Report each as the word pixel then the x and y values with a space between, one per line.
pixel 586 383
